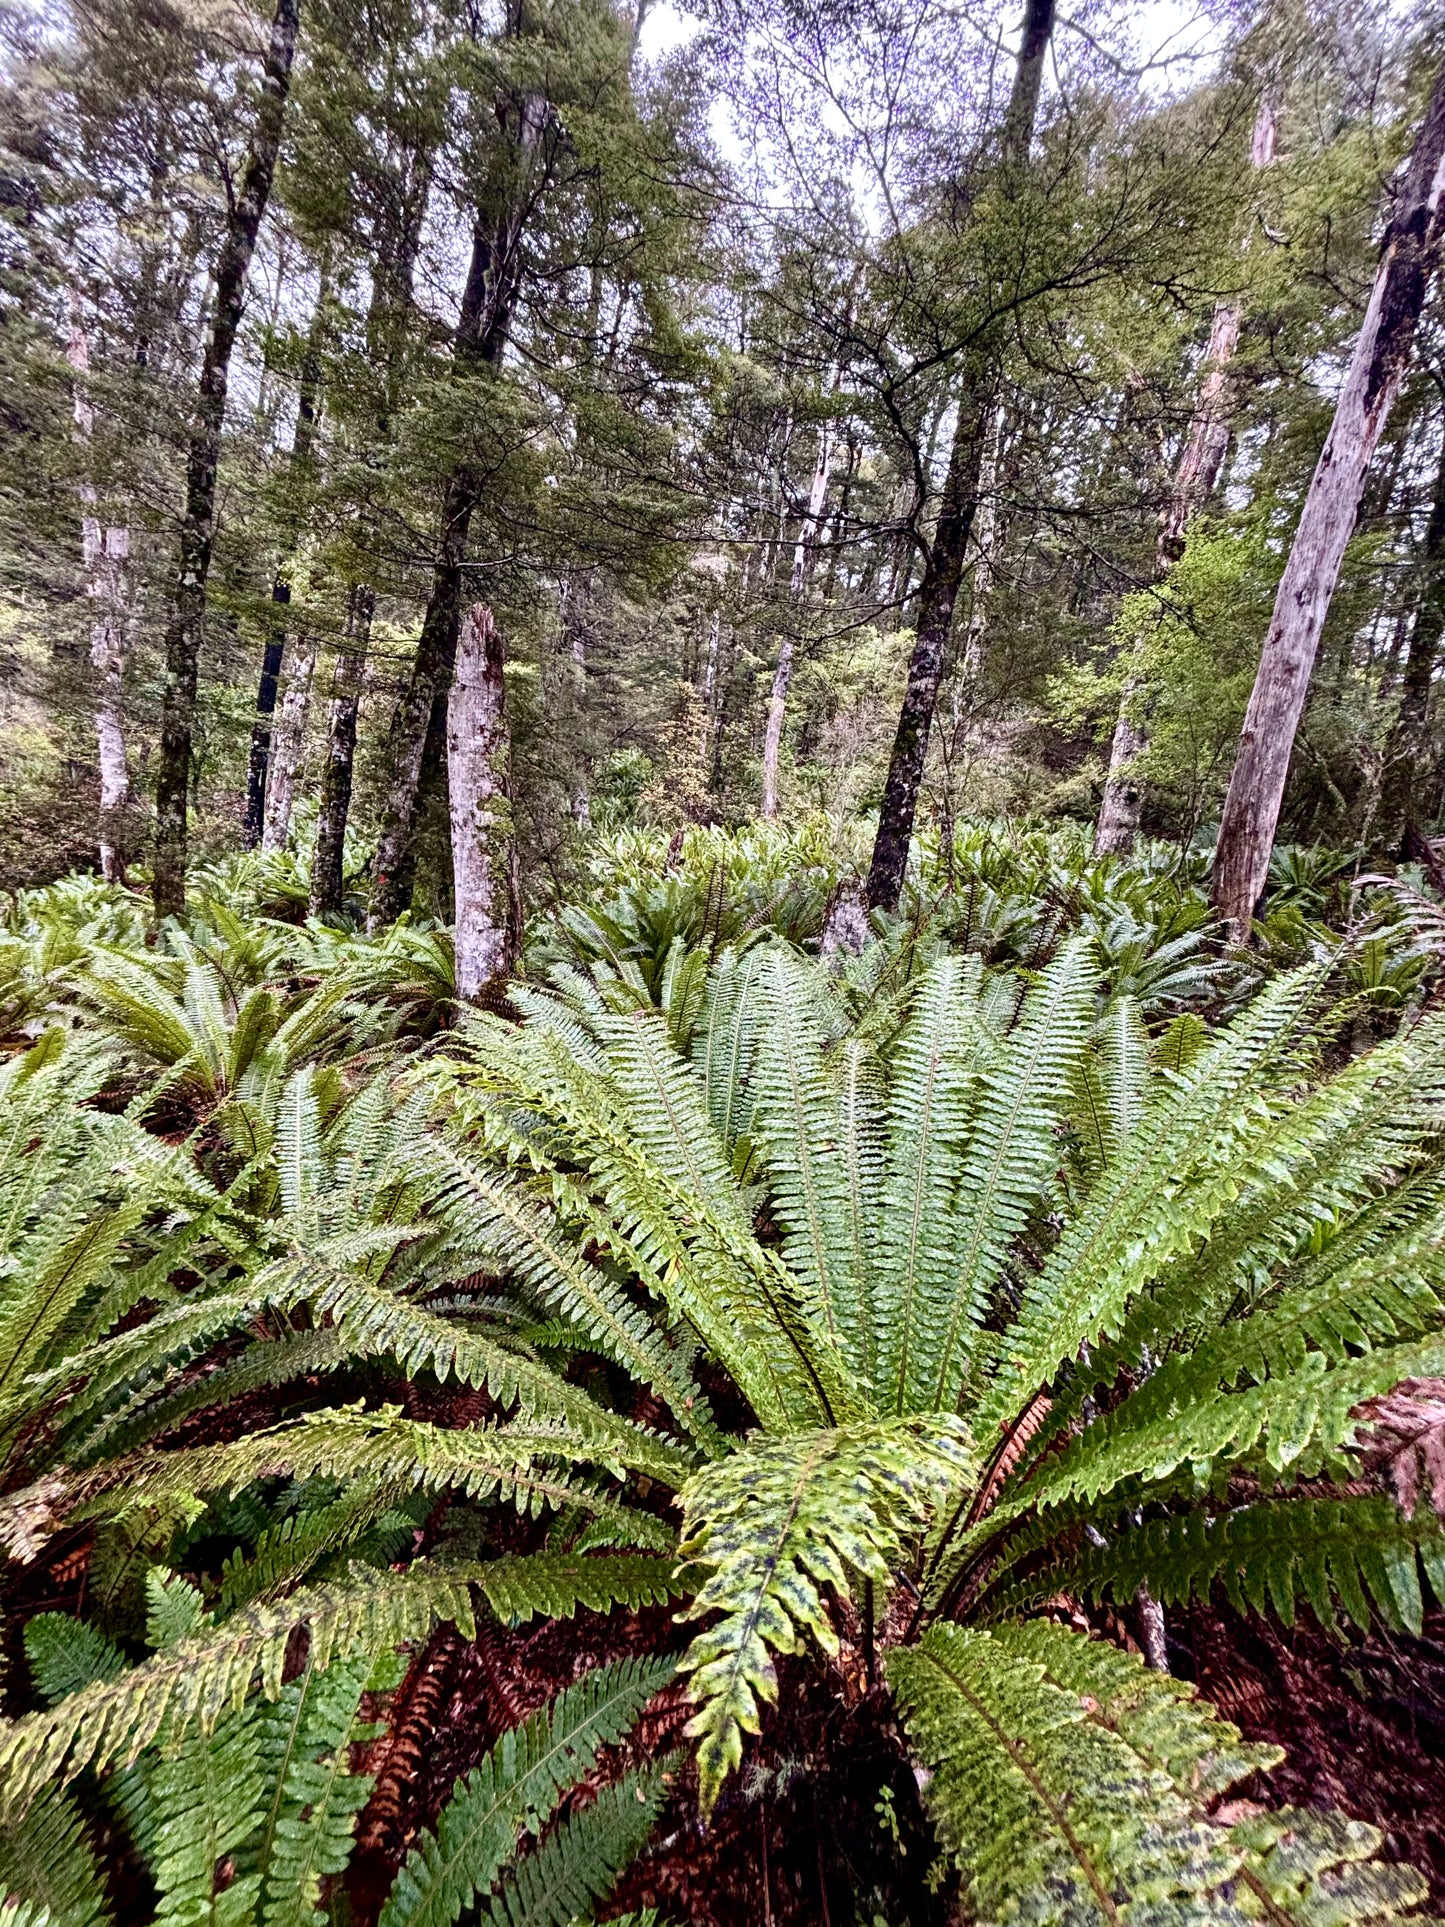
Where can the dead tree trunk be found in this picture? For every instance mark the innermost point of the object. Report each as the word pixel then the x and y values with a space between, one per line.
pixel 488 304
pixel 1377 368
pixel 288 743
pixel 943 570
pixel 484 849
pixel 105 551
pixel 327 860
pixel 1194 483
pixel 808 531
pixel 183 635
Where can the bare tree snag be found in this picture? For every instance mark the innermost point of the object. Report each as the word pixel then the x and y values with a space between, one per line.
pixel 943 569
pixel 484 849
pixel 198 528
pixel 1377 368
pixel 288 743
pixel 1194 483
pixel 105 551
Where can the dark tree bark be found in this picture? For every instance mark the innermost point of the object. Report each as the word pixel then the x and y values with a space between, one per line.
pixel 327 862
pixel 943 569
pixel 488 304
pixel 183 635
pixel 1377 368
pixel 271 660
pixel 484 849
pixel 1405 751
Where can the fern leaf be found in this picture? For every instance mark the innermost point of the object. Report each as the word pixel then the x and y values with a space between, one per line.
pixel 195 1681
pixel 47 1859
pixel 577 1865
pixel 309 1822
pixel 934 1073
pixel 554 1585
pixel 1012 1151
pixel 773 1524
pixel 517 1787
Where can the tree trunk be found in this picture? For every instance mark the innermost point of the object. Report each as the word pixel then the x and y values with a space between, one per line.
pixel 287 746
pixel 1377 368
pixel 183 635
pixel 105 551
pixel 943 570
pixel 255 821
pixel 1194 483
pixel 808 530
pixel 484 849
pixel 1406 746
pixel 328 857
pixel 302 447
pixel 488 303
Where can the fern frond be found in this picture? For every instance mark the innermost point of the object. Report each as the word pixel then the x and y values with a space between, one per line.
pixel 553 1585
pixel 1049 1791
pixel 577 1865
pixel 723 1045
pixel 1319 1870
pixel 1156 1201
pixel 517 1788
pixel 794 1129
pixel 207 1796
pixel 309 1821
pixel 1358 1557
pixel 935 1068
pixel 772 1525
pixel 47 1858
pixel 194 1682
pixel 286 1552
pixel 1012 1151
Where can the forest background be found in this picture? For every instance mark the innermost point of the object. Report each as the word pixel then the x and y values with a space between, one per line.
pixel 741 279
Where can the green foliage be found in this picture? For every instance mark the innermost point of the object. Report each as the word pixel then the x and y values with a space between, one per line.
pixel 1071 1785
pixel 515 1790
pixel 773 1524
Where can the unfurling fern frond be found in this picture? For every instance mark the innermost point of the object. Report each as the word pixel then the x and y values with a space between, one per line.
pixel 772 1525
pixel 1071 1787
pixel 515 1790
pixel 577 1865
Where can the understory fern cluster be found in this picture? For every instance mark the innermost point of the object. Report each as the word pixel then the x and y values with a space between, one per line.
pixel 879 1318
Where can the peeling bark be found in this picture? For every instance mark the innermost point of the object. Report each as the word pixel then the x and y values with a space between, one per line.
pixel 1377 368
pixel 1406 745
pixel 484 849
pixel 198 528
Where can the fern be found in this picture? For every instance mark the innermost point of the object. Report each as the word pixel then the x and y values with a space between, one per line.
pixel 309 1822
pixel 576 1865
pixel 769 1527
pixel 516 1788
pixel 47 1859
pixel 208 1792
pixel 1339 1555
pixel 555 1585
pixel 1070 1786
pixel 196 1681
